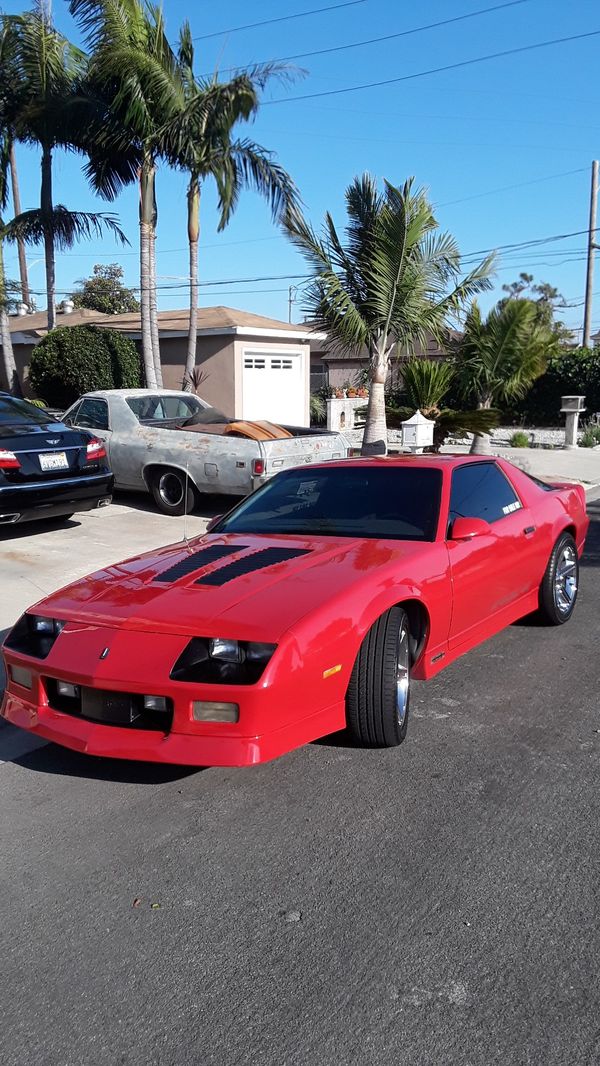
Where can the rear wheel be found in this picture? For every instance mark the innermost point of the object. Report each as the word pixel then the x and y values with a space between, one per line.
pixel 173 492
pixel 558 592
pixel 378 698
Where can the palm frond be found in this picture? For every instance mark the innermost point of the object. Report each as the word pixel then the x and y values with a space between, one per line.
pixel 66 227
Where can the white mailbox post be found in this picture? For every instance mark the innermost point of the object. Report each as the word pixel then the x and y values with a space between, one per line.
pixel 572 407
pixel 417 432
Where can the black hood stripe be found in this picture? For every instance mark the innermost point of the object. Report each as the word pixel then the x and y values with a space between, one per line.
pixel 249 564
pixel 196 560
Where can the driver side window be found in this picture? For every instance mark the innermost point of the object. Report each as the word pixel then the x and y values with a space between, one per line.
pixel 481 490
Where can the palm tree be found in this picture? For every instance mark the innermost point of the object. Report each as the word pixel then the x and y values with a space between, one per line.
pixel 137 72
pixel 200 142
pixel 46 72
pixel 425 387
pixel 7 56
pixel 500 357
pixel 393 281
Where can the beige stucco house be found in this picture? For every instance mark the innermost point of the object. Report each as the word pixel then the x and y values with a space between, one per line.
pixel 255 367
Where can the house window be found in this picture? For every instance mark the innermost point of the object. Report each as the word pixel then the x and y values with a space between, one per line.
pixel 319 376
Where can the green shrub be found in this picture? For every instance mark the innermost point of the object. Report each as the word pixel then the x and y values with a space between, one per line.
pixel 318 409
pixel 590 437
pixel 520 439
pixel 72 360
pixel 575 372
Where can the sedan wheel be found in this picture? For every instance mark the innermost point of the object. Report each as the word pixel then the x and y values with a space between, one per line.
pixel 558 593
pixel 378 698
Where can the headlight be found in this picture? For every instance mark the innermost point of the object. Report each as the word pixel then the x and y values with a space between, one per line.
pixel 227 650
pixel 213 660
pixel 34 635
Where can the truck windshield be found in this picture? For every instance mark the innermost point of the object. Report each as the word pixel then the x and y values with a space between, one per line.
pixel 162 407
pixel 392 502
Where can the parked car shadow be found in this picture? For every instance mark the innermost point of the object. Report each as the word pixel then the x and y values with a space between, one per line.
pixel 209 505
pixel 591 555
pixel 52 759
pixel 22 530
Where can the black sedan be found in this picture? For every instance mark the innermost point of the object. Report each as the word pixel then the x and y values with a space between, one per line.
pixel 47 469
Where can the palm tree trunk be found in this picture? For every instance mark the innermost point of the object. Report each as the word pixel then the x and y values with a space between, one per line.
pixel 145 279
pixel 8 357
pixel 193 198
pixel 481 441
pixel 154 311
pixel 47 207
pixel 16 195
pixel 375 435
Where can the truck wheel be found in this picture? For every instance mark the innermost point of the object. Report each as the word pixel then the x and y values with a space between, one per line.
pixel 558 591
pixel 378 698
pixel 173 492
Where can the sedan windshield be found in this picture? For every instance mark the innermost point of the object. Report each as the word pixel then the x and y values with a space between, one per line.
pixel 18 413
pixel 394 502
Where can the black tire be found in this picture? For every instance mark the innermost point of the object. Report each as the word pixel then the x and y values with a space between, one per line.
pixel 174 493
pixel 558 591
pixel 378 697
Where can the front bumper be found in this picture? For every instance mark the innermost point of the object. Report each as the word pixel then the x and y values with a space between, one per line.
pixel 46 499
pixel 181 749
pixel 279 713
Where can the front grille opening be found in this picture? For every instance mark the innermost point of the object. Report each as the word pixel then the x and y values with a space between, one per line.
pixel 106 707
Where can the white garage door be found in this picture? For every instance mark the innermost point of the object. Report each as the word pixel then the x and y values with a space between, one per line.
pixel 273 388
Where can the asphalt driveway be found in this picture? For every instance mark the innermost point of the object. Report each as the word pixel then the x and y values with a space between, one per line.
pixel 430 905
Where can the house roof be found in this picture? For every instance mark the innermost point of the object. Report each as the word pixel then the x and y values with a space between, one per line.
pixel 210 320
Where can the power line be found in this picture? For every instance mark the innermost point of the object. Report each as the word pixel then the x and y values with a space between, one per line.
pixel 507 188
pixel 282 18
pixel 433 70
pixel 393 36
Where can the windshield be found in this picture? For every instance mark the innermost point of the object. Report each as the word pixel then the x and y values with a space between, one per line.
pixel 160 407
pixel 18 412
pixel 399 503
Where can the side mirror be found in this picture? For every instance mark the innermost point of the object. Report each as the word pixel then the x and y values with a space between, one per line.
pixel 211 525
pixel 467 528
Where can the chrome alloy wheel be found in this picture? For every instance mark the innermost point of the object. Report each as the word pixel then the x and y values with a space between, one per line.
pixel 565 580
pixel 402 675
pixel 171 489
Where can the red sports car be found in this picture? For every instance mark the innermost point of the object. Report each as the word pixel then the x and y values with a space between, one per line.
pixel 308 608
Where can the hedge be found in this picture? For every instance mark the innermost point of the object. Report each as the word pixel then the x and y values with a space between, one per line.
pixel 573 373
pixel 72 360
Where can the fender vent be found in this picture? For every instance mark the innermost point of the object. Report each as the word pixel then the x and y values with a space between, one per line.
pixel 196 560
pixel 249 564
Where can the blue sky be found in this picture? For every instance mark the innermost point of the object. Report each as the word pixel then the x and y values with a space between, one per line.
pixel 530 120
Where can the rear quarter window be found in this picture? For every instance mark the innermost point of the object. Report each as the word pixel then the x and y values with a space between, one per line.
pixel 482 490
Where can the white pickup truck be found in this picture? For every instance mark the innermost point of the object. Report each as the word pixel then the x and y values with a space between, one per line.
pixel 175 446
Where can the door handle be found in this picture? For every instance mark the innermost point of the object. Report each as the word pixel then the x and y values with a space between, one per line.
pixel 528 530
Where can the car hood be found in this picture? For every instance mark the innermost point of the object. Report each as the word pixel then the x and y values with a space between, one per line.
pixel 254 586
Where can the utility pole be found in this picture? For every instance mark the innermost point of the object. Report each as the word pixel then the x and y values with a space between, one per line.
pixel 293 289
pixel 592 246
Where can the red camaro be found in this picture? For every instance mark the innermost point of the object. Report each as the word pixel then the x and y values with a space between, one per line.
pixel 308 608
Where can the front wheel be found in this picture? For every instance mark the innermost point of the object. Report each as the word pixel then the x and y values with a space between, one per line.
pixel 173 492
pixel 378 698
pixel 558 592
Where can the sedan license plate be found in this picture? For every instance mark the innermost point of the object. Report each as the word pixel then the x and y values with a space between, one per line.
pixel 54 461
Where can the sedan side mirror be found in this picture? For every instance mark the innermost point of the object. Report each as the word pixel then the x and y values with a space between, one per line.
pixel 211 525
pixel 467 528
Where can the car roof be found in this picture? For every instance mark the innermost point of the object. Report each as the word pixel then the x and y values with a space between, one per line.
pixel 424 461
pixel 135 392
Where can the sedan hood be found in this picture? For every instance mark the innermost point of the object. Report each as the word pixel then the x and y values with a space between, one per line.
pixel 254 586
